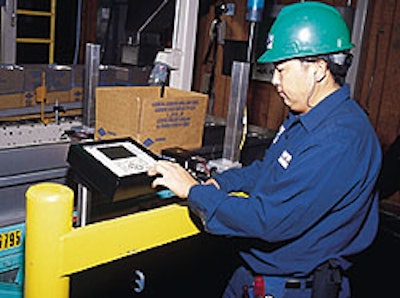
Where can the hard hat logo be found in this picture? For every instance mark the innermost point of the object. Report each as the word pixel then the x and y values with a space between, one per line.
pixel 270 41
pixel 304 35
pixel 306 29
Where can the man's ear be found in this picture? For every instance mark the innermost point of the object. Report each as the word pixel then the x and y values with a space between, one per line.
pixel 321 67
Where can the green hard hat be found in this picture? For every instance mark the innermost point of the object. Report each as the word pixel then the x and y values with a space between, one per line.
pixel 306 29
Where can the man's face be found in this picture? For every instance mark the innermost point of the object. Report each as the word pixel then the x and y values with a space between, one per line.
pixel 294 81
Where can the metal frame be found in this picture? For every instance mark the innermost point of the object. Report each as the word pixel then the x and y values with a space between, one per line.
pixel 181 57
pixel 8 35
pixel 21 167
pixel 357 37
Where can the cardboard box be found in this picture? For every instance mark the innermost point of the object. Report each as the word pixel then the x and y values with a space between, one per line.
pixel 33 76
pixel 58 81
pixel 59 78
pixel 11 80
pixel 177 119
pixel 11 101
pixel 76 94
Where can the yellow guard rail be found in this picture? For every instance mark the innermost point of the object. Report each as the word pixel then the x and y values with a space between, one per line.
pixel 54 249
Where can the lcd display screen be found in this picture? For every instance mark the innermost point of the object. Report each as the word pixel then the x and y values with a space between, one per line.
pixel 116 152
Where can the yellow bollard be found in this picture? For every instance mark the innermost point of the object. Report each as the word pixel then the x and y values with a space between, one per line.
pixel 49 208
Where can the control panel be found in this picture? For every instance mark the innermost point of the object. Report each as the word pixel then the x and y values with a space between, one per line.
pixel 122 158
pixel 115 168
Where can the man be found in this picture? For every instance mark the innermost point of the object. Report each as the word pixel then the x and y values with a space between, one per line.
pixel 311 202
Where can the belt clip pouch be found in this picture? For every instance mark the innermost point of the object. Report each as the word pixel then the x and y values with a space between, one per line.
pixel 327 280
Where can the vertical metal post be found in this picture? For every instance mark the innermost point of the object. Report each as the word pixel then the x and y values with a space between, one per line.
pixel 48 217
pixel 237 102
pixel 83 205
pixel 184 40
pixel 92 74
pixel 251 42
pixel 357 38
pixel 8 34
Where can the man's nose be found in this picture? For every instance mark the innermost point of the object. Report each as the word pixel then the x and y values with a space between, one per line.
pixel 275 78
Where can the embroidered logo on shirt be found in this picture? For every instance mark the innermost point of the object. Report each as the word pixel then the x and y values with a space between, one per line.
pixel 278 134
pixel 284 159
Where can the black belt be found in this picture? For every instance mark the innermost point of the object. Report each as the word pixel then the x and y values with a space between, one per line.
pixel 298 284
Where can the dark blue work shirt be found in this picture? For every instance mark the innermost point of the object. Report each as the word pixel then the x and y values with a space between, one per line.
pixel 312 196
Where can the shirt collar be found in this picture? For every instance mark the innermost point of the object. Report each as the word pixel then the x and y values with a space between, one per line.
pixel 321 111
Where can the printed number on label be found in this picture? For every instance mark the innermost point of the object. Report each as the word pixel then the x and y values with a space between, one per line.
pixel 10 239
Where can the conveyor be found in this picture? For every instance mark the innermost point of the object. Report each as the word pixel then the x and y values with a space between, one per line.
pixel 24 161
pixel 34 141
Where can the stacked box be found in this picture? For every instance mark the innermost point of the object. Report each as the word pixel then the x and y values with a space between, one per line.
pixel 64 83
pixel 11 87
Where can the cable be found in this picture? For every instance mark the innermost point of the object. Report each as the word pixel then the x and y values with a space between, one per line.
pixel 78 31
